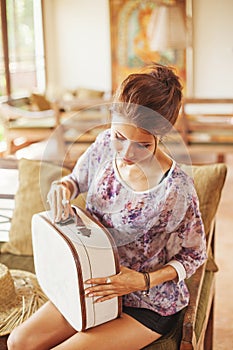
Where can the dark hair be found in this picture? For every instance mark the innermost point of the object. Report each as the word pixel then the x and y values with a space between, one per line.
pixel 156 88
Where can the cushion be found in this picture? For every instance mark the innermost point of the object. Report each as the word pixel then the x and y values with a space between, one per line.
pixel 40 102
pixel 84 93
pixel 35 178
pixel 208 181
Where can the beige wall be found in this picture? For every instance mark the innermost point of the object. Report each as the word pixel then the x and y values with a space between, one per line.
pixel 213 48
pixel 78 46
pixel 77 41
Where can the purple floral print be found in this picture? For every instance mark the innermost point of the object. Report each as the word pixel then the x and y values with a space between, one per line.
pixel 150 228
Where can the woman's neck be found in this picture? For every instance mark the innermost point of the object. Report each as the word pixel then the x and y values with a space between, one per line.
pixel 145 175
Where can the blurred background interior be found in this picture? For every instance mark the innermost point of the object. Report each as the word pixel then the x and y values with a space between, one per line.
pixel 61 62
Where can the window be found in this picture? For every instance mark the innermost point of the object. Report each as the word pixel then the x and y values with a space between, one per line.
pixel 22 66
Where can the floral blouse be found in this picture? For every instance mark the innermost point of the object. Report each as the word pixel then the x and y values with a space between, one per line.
pixel 151 228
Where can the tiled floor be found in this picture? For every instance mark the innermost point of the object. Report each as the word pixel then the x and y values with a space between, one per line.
pixel 223 331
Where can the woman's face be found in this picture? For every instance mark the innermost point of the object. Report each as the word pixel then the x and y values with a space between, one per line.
pixel 132 144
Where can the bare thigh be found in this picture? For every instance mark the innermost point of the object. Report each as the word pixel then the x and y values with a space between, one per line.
pixel 43 330
pixel 48 329
pixel 124 333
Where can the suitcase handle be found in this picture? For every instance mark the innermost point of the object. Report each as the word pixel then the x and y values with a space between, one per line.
pixel 78 222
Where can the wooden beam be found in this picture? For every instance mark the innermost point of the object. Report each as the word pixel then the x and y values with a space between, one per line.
pixel 5 48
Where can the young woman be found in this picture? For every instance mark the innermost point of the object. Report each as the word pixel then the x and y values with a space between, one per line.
pixel 151 208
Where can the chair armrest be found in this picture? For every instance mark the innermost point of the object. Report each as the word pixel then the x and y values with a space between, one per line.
pixel 5 165
pixel 189 341
pixel 8 163
pixel 188 334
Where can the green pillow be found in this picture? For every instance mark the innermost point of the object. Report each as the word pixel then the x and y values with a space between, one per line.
pixel 35 178
pixel 208 180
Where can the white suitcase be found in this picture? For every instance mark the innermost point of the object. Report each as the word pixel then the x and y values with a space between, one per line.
pixel 66 255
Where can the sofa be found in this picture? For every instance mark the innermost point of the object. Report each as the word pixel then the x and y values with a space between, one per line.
pixel 194 329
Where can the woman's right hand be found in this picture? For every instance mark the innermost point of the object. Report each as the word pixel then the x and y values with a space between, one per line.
pixel 59 201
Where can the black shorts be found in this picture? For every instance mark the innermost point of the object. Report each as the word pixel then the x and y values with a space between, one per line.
pixel 151 319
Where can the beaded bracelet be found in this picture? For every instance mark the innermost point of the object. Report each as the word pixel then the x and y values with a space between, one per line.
pixel 147 283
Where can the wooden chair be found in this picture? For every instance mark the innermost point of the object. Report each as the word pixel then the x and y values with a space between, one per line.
pixel 207 123
pixel 23 127
pixel 194 329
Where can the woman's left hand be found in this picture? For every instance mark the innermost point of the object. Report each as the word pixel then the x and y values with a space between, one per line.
pixel 125 282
